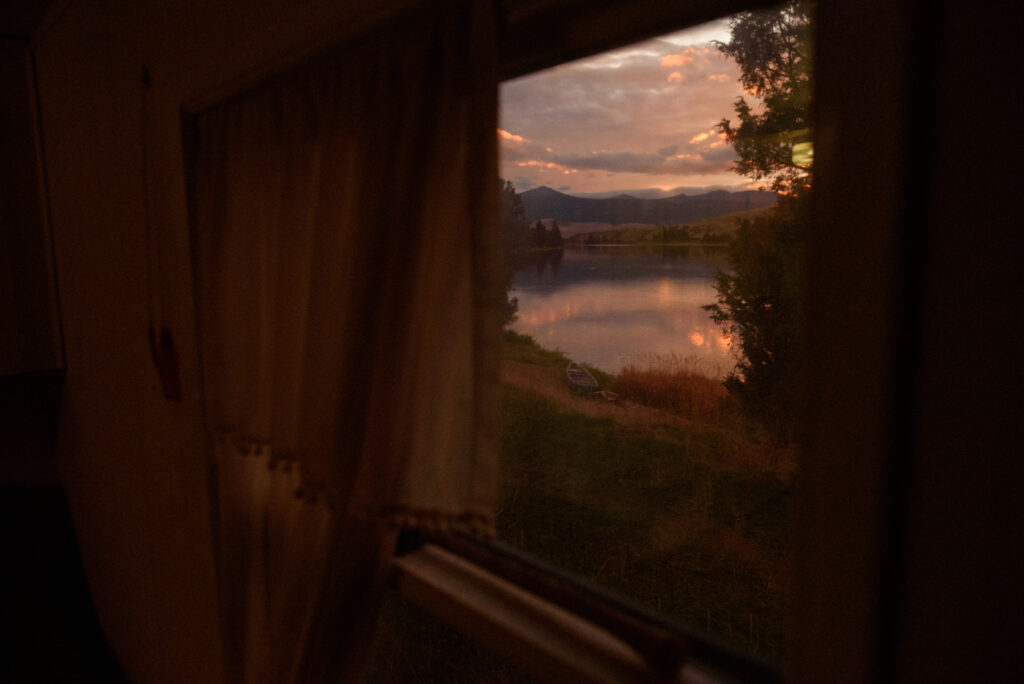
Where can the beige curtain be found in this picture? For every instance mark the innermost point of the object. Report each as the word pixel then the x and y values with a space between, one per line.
pixel 349 302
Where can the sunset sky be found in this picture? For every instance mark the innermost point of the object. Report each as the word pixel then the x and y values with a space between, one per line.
pixel 638 118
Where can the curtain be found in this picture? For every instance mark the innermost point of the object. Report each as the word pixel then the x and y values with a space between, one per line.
pixel 349 300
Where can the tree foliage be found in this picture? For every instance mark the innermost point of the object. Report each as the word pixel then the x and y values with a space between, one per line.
pixel 516 237
pixel 760 301
pixel 547 238
pixel 515 229
pixel 554 238
pixel 759 304
pixel 773 51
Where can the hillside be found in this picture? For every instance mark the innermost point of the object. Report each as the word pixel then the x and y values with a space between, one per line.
pixel 570 228
pixel 717 229
pixel 545 203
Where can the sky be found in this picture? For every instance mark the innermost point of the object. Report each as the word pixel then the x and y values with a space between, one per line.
pixel 638 120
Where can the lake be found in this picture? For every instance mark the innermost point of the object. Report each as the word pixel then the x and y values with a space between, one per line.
pixel 610 305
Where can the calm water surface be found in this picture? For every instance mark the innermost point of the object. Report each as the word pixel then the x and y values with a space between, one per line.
pixel 608 306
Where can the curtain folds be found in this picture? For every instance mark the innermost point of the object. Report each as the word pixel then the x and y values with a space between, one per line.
pixel 349 298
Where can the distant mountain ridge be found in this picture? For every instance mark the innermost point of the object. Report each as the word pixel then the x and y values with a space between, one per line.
pixel 543 202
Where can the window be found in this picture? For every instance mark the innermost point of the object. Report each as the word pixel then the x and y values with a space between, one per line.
pixel 671 500
pixel 642 229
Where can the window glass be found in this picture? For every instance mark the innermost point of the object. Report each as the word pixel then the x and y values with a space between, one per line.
pixel 652 203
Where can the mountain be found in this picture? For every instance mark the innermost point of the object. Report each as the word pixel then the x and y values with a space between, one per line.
pixel 656 193
pixel 543 202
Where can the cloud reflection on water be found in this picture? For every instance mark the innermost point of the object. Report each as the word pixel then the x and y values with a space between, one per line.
pixel 616 307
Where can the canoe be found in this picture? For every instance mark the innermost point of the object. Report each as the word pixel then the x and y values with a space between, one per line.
pixel 580 380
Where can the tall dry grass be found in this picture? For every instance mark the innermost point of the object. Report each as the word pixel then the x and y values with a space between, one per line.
pixel 683 385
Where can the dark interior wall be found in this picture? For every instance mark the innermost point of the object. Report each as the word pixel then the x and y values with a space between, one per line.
pixel 911 512
pixel 855 289
pixel 48 629
pixel 131 463
pixel 961 610
pixel 30 354
pixel 29 332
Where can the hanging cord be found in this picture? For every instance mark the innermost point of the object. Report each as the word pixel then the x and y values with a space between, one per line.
pixel 161 344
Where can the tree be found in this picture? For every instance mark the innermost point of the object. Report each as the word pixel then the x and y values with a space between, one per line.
pixel 515 229
pixel 760 302
pixel 555 238
pixel 540 235
pixel 515 238
pixel 772 49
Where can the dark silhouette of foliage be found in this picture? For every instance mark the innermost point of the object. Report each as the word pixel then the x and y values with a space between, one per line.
pixel 555 238
pixel 540 235
pixel 670 234
pixel 759 305
pixel 516 238
pixel 773 51
pixel 760 302
pixel 515 229
pixel 547 238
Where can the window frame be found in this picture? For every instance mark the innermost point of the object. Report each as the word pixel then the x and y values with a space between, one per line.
pixel 553 623
pixel 540 616
pixel 864 301
pixel 871 70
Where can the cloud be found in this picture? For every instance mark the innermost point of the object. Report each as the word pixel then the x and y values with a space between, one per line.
pixel 652 164
pixel 505 135
pixel 676 60
pixel 613 161
pixel 685 57
pixel 652 192
pixel 718 78
pixel 719 153
pixel 539 163
pixel 624 104
pixel 700 137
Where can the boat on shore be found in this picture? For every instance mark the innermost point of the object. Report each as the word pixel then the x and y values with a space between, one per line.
pixel 580 379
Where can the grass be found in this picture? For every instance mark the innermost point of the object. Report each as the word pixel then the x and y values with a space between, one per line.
pixel 690 517
pixel 651 518
pixel 517 347
pixel 674 383
pixel 680 511
pixel 524 349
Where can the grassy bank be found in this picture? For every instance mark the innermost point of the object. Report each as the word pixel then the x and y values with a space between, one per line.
pixel 683 514
pixel 661 496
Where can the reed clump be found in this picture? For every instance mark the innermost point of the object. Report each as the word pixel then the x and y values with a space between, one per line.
pixel 683 385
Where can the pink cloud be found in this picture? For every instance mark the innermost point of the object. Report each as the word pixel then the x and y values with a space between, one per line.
pixel 676 60
pixel 505 135
pixel 539 164
pixel 675 77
